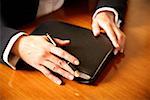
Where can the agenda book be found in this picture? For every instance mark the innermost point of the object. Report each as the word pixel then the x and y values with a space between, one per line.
pixel 92 52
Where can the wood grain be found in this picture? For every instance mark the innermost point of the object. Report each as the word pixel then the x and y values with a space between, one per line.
pixel 127 77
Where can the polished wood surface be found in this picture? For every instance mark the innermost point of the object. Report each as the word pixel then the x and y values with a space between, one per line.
pixel 127 77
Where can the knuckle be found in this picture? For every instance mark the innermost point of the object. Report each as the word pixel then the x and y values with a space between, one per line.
pixel 55 68
pixel 39 60
pixel 61 63
pixel 42 54
pixel 50 56
pixel 47 73
pixel 44 71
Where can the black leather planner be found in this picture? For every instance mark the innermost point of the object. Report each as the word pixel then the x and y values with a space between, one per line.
pixel 93 53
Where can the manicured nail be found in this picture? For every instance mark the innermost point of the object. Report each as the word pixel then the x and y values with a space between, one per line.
pixel 71 77
pixel 76 73
pixel 58 81
pixel 76 62
pixel 96 32
pixel 115 52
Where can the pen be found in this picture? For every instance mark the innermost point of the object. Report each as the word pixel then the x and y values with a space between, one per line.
pixel 77 73
pixel 50 39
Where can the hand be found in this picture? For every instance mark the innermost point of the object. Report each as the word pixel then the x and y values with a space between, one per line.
pixel 105 20
pixel 42 55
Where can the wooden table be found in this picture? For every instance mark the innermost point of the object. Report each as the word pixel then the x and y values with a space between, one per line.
pixel 127 77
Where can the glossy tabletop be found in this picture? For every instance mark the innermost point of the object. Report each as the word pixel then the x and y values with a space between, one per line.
pixel 126 77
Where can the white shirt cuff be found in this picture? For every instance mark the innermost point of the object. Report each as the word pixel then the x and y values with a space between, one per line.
pixel 117 20
pixel 8 57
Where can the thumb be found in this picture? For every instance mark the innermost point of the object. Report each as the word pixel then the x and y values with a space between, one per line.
pixel 95 28
pixel 62 42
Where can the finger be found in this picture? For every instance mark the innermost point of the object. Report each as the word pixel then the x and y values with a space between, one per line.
pixel 55 68
pixel 95 28
pixel 111 35
pixel 116 50
pixel 123 45
pixel 121 37
pixel 63 54
pixel 62 42
pixel 60 63
pixel 48 74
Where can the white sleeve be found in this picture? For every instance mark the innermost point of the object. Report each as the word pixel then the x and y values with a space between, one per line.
pixel 117 20
pixel 8 57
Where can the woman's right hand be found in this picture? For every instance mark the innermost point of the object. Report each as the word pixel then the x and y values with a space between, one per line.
pixel 44 56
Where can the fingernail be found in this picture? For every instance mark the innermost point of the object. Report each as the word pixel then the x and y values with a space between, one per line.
pixel 67 40
pixel 58 82
pixel 76 62
pixel 76 73
pixel 122 51
pixel 71 77
pixel 96 32
pixel 117 45
pixel 115 52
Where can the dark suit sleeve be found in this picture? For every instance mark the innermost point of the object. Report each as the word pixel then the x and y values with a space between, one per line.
pixel 6 34
pixel 118 5
pixel 13 14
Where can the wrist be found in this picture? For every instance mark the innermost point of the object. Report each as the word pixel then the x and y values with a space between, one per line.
pixel 108 9
pixel 106 13
pixel 15 48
